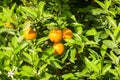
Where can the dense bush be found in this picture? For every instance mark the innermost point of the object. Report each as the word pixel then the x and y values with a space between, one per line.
pixel 91 53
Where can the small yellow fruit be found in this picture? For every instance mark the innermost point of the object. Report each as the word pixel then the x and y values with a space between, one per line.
pixel 8 25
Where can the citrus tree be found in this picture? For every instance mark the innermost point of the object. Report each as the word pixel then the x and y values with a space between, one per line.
pixel 59 39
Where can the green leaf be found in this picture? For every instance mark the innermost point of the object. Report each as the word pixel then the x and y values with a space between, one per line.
pixel 47 53
pixel 91 32
pixel 72 55
pixel 97 37
pixel 112 22
pixel 71 42
pixel 76 24
pixel 97 11
pixel 114 72
pixel 104 35
pixel 107 3
pixel 65 55
pixel 101 4
pixel 106 68
pixel 14 42
pixel 116 50
pixel 116 34
pixel 30 11
pixel 42 39
pixel 27 24
pixel 90 42
pixel 91 65
pixel 27 71
pixel 40 8
pixel 57 65
pixel 79 30
pixel 110 44
pixel 47 15
pixel 113 57
pixel 20 47
pixel 110 33
pixel 12 9
pixel 94 54
pixel 84 38
pixel 43 67
pixel 27 58
pixel 69 14
pixel 1 55
pixel 67 76
pixel 103 50
pixel 82 73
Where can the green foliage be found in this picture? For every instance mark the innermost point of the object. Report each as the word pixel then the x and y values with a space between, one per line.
pixel 92 53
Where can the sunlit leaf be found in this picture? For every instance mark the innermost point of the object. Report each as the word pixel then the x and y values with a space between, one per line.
pixel 106 68
pixel 91 65
pixel 65 56
pixel 107 3
pixel 112 21
pixel 91 32
pixel 110 33
pixel 109 44
pixel 57 65
pixel 30 11
pixel 67 76
pixel 101 4
pixel 40 8
pixel 20 47
pixel 27 71
pixel 72 55
pixel 14 42
pixel 43 67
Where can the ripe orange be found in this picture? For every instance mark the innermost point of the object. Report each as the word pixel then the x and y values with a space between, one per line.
pixel 30 34
pixel 59 48
pixel 55 35
pixel 67 34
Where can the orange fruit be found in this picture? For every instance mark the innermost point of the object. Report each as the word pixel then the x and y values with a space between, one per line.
pixel 55 35
pixel 30 34
pixel 67 34
pixel 59 48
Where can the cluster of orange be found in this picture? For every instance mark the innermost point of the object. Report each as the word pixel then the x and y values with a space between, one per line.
pixel 55 35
